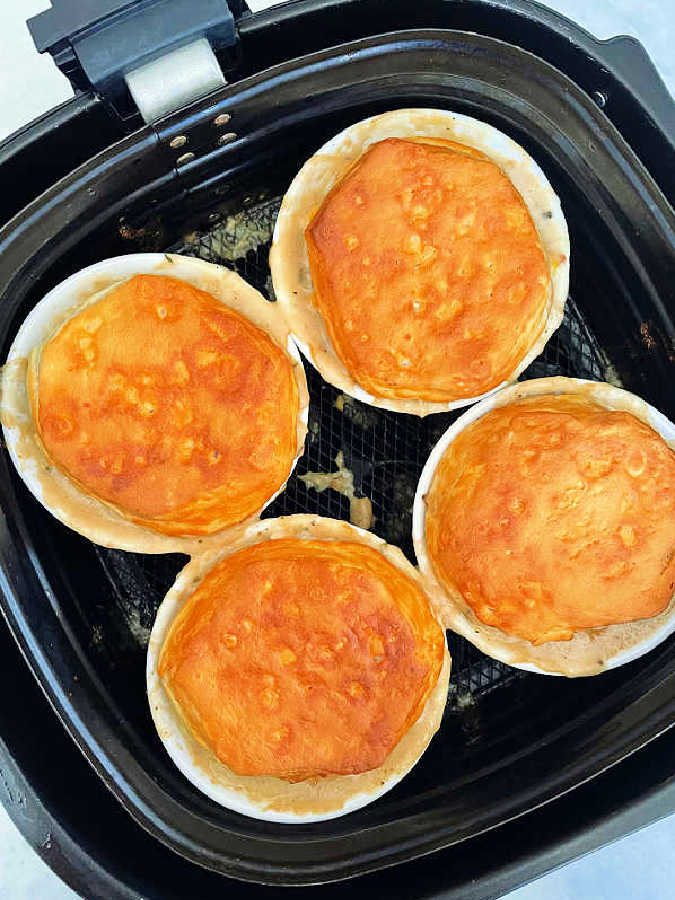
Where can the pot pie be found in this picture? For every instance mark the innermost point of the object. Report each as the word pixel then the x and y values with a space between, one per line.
pixel 297 672
pixel 547 514
pixel 422 259
pixel 162 401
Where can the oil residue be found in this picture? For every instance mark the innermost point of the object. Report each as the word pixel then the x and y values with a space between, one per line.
pixel 358 413
pixel 241 232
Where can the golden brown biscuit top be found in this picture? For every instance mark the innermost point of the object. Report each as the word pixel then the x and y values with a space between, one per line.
pixel 553 514
pixel 166 403
pixel 428 271
pixel 302 658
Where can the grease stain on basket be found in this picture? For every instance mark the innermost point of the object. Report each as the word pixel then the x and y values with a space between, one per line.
pixel 140 632
pixel 313 428
pixel 610 374
pixel 358 413
pixel 647 337
pixel 242 232
pixel 399 524
pixel 147 237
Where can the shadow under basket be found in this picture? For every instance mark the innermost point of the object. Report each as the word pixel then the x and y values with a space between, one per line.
pixel 509 740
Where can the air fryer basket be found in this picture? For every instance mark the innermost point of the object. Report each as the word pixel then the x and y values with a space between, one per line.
pixel 509 740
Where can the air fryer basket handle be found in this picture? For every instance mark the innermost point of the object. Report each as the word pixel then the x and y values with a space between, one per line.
pixel 98 46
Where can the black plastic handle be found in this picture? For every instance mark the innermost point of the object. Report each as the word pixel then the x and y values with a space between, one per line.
pixel 96 43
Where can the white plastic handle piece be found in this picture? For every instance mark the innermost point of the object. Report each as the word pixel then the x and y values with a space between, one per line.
pixel 175 79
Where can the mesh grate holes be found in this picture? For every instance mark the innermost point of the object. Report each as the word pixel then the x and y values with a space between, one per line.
pixel 385 451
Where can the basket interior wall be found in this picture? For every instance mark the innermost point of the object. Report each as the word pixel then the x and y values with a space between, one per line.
pixel 108 598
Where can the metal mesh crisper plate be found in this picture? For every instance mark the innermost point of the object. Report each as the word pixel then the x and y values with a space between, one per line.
pixel 385 451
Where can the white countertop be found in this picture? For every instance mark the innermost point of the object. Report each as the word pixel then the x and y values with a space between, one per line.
pixel 637 867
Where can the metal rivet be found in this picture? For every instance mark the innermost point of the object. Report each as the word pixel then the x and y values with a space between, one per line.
pixel 222 119
pixel 227 138
pixel 179 141
pixel 185 158
pixel 600 98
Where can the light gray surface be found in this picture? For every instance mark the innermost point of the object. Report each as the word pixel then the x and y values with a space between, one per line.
pixel 635 868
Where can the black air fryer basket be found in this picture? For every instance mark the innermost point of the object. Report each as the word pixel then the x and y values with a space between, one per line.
pixel 526 771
